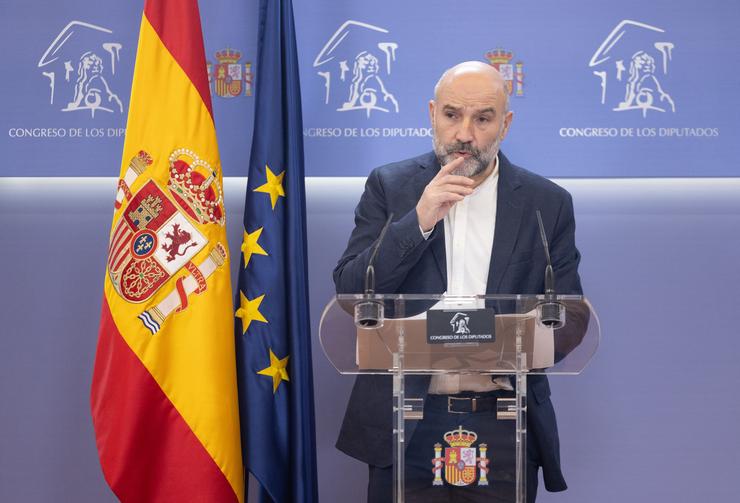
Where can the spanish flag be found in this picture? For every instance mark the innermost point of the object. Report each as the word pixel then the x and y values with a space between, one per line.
pixel 164 399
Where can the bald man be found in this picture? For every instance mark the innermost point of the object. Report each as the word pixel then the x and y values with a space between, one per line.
pixel 464 224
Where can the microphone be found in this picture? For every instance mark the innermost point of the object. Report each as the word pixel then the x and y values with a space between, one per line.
pixel 369 313
pixel 551 313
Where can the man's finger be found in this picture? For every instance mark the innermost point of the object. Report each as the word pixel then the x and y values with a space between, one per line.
pixel 446 197
pixel 455 180
pixel 456 188
pixel 450 166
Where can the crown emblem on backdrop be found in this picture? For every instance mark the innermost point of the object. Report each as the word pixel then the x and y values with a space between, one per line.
pixel 460 437
pixel 499 56
pixel 194 185
pixel 228 56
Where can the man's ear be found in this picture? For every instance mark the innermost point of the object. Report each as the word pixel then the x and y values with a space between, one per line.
pixel 507 123
pixel 431 112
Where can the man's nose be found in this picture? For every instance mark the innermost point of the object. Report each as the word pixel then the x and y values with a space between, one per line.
pixel 465 131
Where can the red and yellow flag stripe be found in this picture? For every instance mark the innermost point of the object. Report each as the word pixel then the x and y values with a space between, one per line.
pixel 164 404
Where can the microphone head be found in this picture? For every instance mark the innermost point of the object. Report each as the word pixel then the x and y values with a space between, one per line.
pixel 369 314
pixel 549 280
pixel 551 314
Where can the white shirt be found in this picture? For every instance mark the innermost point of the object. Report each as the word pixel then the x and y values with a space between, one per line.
pixel 469 227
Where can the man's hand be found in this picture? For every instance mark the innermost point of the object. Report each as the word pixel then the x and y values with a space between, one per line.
pixel 441 194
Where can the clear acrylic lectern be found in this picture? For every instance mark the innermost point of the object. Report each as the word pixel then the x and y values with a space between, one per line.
pixel 433 335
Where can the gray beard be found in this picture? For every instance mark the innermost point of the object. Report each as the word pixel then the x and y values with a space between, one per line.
pixel 474 165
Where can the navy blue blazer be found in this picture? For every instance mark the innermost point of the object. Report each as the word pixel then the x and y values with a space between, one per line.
pixel 406 263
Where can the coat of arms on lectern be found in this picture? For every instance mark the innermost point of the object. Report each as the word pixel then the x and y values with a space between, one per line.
pixel 462 462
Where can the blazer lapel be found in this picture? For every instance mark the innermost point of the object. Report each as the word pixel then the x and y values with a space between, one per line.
pixel 509 210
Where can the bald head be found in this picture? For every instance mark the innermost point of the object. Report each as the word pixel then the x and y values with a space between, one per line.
pixel 470 117
pixel 484 73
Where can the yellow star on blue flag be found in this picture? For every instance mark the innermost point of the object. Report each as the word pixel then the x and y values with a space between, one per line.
pixel 249 311
pixel 273 186
pixel 250 246
pixel 277 370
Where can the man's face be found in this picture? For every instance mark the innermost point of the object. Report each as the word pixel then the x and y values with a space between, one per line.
pixel 469 120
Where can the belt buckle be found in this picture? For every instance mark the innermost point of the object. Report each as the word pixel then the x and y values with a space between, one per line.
pixel 473 408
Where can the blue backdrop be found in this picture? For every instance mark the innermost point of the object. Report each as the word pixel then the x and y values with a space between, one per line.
pixel 599 89
pixel 653 418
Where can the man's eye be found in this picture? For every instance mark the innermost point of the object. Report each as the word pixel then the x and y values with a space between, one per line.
pixel 484 120
pixel 450 115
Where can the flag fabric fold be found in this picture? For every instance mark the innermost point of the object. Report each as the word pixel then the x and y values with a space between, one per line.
pixel 164 397
pixel 273 335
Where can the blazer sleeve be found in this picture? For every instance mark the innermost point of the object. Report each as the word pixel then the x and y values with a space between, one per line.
pixel 565 257
pixel 563 252
pixel 401 248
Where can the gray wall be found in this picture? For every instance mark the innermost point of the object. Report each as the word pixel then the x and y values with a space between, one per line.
pixel 653 418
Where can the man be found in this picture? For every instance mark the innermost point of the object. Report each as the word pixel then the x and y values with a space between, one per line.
pixel 464 223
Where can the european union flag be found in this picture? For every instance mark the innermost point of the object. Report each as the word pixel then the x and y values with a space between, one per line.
pixel 273 330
